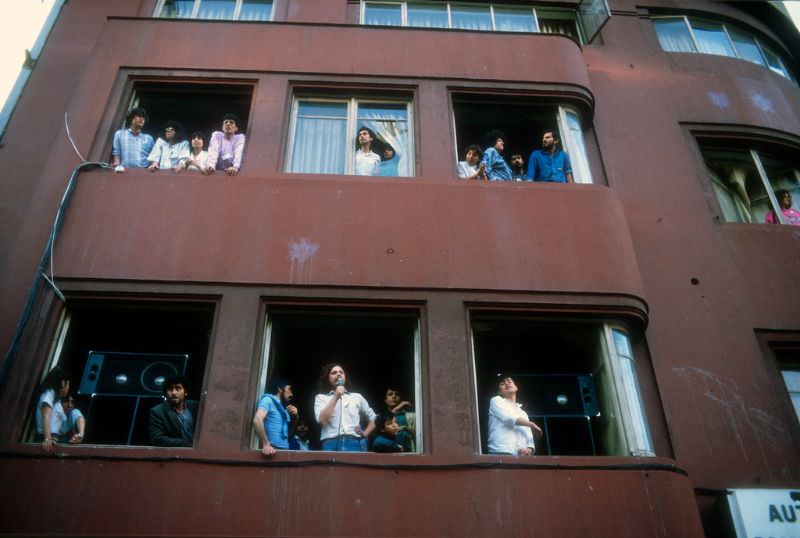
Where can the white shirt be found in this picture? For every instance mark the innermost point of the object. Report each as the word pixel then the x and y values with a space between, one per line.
pixel 60 423
pixel 466 170
pixel 46 399
pixel 201 158
pixel 367 164
pixel 355 408
pixel 505 436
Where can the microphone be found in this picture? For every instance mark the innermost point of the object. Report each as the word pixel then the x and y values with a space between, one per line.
pixel 340 382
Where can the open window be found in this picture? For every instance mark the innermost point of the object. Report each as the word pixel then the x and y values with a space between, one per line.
pixel 324 134
pixel 577 380
pixel 235 10
pixel 751 181
pixel 523 120
pixel 118 354
pixel 379 348
pixel 197 106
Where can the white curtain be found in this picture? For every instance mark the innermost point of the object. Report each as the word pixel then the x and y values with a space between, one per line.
pixel 320 141
pixel 177 9
pixel 471 18
pixel 216 9
pixel 576 148
pixel 673 35
pixel 711 39
pixel 427 16
pixel 256 10
pixel 390 123
pixel 514 20
pixel 383 14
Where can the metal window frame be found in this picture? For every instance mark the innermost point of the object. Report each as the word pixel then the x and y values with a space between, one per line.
pixel 351 121
pixel 237 10
pixel 762 174
pixel 448 5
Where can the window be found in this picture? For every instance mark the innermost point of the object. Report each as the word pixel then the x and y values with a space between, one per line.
pixel 523 121
pixel 577 381
pixel 379 348
pixel 324 135
pixel 118 354
pixel 752 182
pixel 462 16
pixel 684 34
pixel 236 10
pixel 197 107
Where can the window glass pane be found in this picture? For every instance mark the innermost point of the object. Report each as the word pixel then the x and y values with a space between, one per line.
pixel 622 344
pixel 256 10
pixel 383 14
pixel 746 47
pixel 774 62
pixel 576 149
pixel 427 15
pixel 734 174
pixel 711 38
pixel 471 17
pixel 509 19
pixel 557 22
pixel 792 380
pixel 177 9
pixel 673 35
pixel 216 9
pixel 320 137
pixel 389 122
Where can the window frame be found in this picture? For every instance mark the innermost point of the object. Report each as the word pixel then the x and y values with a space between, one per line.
pixel 491 7
pixel 237 11
pixel 763 176
pixel 580 161
pixel 626 398
pixel 784 71
pixel 351 124
pixel 346 309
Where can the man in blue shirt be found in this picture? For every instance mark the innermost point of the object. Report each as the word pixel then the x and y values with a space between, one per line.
pixel 274 417
pixel 131 146
pixel 550 163
pixel 496 166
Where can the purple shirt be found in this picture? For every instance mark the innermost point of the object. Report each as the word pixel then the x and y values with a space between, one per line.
pixel 225 152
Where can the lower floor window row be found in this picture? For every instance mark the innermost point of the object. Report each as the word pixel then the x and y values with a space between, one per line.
pixel 339 379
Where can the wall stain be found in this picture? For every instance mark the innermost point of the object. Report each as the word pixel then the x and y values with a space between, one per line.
pixel 301 255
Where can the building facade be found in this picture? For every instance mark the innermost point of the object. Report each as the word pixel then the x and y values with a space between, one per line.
pixel 649 311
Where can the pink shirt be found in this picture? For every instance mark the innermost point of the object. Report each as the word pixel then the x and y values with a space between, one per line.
pixel 225 152
pixel 791 216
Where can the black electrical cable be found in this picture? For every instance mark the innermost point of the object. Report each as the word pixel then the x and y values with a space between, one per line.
pixel 27 311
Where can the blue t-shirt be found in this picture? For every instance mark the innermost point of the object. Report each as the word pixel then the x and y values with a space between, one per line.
pixel 497 168
pixel 545 167
pixel 276 423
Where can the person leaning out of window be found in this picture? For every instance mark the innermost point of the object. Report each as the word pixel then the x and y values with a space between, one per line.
pixel 226 147
pixel 510 430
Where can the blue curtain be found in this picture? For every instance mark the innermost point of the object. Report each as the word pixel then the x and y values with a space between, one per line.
pixel 427 15
pixel 256 10
pixel 471 17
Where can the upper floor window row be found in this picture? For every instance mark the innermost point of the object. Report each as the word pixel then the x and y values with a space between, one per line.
pixel 460 16
pixel 234 10
pixel 684 34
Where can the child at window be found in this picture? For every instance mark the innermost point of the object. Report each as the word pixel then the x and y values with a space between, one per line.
pixel 389 437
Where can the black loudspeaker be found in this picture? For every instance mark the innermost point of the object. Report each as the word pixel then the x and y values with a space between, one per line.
pixel 558 395
pixel 565 436
pixel 130 374
pixel 120 420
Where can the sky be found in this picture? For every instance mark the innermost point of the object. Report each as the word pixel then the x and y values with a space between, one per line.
pixel 29 16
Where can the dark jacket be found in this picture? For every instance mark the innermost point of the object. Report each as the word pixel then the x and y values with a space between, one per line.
pixel 165 430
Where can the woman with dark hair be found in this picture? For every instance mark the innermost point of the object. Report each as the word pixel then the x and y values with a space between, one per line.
pixel 54 387
pixel 198 157
pixel 368 163
pixel 497 168
pixel 470 168
pixel 340 412
pixel 790 214
pixel 171 151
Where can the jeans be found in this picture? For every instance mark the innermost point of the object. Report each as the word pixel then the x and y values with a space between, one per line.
pixel 345 443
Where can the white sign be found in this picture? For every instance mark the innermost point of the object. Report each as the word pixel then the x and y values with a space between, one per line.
pixel 765 513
